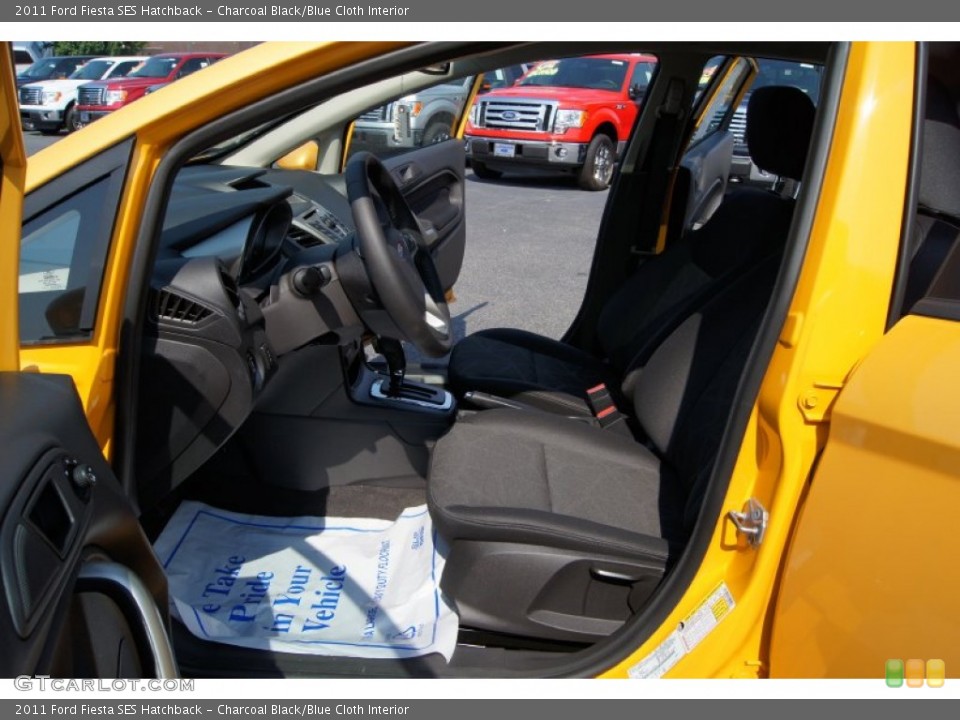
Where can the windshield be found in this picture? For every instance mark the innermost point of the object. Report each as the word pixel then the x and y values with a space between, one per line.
pixel 155 67
pixel 41 69
pixel 93 70
pixel 589 73
pixel 229 145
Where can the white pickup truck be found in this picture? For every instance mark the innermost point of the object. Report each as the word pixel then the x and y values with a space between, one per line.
pixel 48 105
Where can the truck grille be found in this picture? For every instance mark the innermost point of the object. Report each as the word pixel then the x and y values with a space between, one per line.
pixel 530 115
pixel 90 96
pixel 738 126
pixel 30 95
pixel 380 114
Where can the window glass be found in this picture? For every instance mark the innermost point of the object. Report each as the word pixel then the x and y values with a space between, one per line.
pixel 716 115
pixel 155 67
pixel 61 258
pixel 422 118
pixel 640 79
pixel 588 73
pixel 93 70
pixel 123 68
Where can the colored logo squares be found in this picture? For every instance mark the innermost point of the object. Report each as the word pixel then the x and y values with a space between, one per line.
pixel 914 672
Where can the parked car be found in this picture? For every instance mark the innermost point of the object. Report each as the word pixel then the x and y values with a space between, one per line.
pixel 52 68
pixel 50 105
pixel 97 99
pixel 422 118
pixel 26 54
pixel 741 461
pixel 571 115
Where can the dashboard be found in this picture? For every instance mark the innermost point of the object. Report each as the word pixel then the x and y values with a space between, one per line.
pixel 250 217
pixel 230 246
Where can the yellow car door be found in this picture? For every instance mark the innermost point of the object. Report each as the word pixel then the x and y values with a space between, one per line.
pixel 59 495
pixel 14 166
pixel 869 587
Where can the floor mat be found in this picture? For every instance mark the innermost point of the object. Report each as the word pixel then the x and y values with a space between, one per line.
pixel 331 586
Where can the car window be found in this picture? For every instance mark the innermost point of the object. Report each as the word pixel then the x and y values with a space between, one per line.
pixel 40 69
pixel 578 72
pixel 155 67
pixel 192 65
pixel 122 69
pixel 716 116
pixel 92 70
pixel 422 118
pixel 640 79
pixel 66 67
pixel 63 250
pixel 502 77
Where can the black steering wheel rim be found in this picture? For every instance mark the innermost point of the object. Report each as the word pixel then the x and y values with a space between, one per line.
pixel 399 265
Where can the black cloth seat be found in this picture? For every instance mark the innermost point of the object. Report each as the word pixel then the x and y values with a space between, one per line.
pixel 560 529
pixel 537 478
pixel 749 225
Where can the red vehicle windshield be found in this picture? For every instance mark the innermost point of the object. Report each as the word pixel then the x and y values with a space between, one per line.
pixel 155 67
pixel 583 72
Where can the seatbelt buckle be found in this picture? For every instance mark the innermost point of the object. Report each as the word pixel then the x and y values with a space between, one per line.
pixel 603 407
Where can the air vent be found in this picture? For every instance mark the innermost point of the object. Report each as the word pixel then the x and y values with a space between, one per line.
pixel 176 308
pixel 303 238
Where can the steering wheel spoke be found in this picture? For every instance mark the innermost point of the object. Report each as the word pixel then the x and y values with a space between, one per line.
pixel 399 265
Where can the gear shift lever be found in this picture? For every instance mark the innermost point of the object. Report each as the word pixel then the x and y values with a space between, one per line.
pixel 392 351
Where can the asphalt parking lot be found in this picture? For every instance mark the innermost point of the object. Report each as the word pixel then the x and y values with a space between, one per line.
pixel 530 242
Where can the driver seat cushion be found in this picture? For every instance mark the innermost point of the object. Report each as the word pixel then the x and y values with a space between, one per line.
pixel 539 479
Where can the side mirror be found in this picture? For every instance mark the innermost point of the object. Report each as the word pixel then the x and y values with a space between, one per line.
pixel 636 92
pixel 304 157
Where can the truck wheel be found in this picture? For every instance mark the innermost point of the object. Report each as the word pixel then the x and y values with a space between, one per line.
pixel 72 120
pixel 483 172
pixel 437 132
pixel 597 170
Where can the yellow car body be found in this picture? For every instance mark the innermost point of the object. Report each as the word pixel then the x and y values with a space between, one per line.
pixel 852 443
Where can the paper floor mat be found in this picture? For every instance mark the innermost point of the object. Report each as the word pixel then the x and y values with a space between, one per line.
pixel 326 586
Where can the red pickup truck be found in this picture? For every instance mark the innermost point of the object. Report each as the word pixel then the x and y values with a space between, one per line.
pixel 571 115
pixel 96 99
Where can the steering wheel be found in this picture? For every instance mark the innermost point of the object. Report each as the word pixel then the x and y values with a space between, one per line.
pixel 397 261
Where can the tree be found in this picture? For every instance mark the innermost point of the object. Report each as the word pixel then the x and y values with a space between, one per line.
pixel 98 47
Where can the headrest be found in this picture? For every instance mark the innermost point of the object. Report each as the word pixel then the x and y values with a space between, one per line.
pixel 940 159
pixel 779 125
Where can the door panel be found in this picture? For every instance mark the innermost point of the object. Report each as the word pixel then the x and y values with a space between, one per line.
pixel 82 586
pixel 431 179
pixel 871 573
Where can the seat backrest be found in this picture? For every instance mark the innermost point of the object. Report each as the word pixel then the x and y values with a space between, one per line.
pixel 749 225
pixel 683 396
